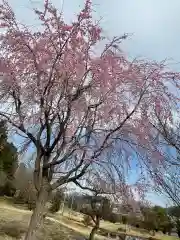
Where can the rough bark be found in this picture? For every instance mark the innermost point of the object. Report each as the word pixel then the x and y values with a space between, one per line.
pixel 38 213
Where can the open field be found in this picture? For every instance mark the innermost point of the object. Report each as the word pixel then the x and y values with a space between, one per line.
pixel 75 221
pixel 14 222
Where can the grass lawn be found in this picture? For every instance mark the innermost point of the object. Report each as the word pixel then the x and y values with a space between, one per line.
pixel 75 222
pixel 14 222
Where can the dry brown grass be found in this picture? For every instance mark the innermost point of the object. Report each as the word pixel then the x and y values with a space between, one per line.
pixel 14 229
pixel 14 222
pixel 75 222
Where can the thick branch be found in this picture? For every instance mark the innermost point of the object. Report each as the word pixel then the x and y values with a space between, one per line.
pixel 21 127
pixel 61 129
pixel 67 178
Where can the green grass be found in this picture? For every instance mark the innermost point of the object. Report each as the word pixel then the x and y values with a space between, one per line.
pixel 165 237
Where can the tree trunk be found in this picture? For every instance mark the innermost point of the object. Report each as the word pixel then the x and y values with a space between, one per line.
pixel 37 216
pixel 178 232
pixel 93 232
pixel 94 229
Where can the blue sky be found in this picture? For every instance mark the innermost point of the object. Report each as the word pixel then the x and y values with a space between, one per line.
pixel 154 25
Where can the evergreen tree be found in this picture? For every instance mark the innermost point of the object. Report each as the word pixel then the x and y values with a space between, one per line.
pixel 8 161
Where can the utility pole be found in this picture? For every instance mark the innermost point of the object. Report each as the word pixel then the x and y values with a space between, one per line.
pixel 63 204
pixel 72 200
pixel 64 200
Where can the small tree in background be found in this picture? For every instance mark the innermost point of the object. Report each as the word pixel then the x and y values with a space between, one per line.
pixel 98 208
pixel 150 221
pixel 161 217
pixel 102 188
pixel 167 226
pixel 124 219
pixel 56 201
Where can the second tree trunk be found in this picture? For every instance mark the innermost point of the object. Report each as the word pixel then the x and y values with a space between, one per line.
pixel 95 229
